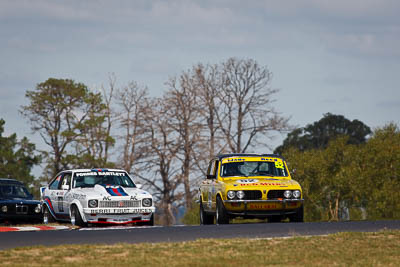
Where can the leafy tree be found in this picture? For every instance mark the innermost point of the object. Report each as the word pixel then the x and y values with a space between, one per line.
pixel 379 174
pixel 325 179
pixel 363 178
pixel 318 134
pixel 17 158
pixel 68 118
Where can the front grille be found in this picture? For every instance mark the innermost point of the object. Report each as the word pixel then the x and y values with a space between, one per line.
pixel 120 204
pixel 21 209
pixel 252 194
pixel 273 194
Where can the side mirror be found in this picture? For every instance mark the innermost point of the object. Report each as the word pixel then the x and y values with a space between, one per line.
pixel 65 187
pixel 139 186
pixel 210 176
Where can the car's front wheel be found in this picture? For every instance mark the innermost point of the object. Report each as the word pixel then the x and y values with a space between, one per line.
pixel 275 219
pixel 47 217
pixel 221 215
pixel 204 217
pixel 76 218
pixel 298 216
pixel 151 222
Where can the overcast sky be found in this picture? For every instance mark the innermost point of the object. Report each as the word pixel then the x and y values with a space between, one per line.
pixel 337 56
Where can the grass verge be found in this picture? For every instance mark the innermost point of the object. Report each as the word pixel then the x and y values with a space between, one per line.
pixel 343 249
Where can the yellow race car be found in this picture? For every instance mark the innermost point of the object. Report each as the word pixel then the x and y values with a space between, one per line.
pixel 249 186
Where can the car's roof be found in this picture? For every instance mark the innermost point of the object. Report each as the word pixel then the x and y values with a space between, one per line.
pixel 9 181
pixel 221 156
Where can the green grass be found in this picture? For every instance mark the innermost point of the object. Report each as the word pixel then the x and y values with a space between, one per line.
pixel 343 249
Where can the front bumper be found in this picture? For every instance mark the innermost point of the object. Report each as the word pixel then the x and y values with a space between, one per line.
pixel 37 217
pixel 262 208
pixel 118 215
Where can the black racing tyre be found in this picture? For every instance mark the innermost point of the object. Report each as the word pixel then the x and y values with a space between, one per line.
pixel 298 216
pixel 204 217
pixel 151 222
pixel 76 218
pixel 148 223
pixel 275 219
pixel 47 217
pixel 221 216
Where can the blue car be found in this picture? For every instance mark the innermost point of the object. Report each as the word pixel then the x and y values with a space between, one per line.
pixel 17 204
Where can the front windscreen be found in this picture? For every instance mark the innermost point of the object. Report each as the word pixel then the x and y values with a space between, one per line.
pixel 90 179
pixel 253 168
pixel 10 191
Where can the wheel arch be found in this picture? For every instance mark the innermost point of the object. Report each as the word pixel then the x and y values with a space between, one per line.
pixel 78 204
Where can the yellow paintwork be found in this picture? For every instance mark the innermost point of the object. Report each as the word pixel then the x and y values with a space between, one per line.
pixel 211 188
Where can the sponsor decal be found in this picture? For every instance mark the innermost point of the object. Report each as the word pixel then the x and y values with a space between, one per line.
pixel 268 159
pixel 99 173
pixel 234 160
pixel 247 181
pixel 120 211
pixel 70 196
pixel 262 206
pixel 261 184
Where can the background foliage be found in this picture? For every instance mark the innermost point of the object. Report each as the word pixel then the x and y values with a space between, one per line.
pixel 362 180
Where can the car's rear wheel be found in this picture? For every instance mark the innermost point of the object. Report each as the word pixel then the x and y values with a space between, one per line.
pixel 221 215
pixel 298 216
pixel 76 218
pixel 204 217
pixel 47 217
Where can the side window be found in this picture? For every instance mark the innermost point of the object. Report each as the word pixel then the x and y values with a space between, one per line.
pixel 212 167
pixel 55 183
pixel 66 180
pixel 215 168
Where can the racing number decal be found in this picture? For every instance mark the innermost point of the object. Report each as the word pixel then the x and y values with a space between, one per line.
pixel 279 164
pixel 60 204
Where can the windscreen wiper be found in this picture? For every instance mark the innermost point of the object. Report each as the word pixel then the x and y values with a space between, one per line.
pixel 263 173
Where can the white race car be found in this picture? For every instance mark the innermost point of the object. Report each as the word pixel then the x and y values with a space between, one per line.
pixel 96 196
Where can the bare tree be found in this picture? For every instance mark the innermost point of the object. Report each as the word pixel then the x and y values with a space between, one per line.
pixel 133 102
pixel 208 83
pixel 245 111
pixel 184 114
pixel 108 96
pixel 164 145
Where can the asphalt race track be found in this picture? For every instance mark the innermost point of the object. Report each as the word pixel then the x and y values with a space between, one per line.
pixel 114 235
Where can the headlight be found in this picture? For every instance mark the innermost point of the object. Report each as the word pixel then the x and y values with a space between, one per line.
pixel 231 194
pixel 146 202
pixel 287 194
pixel 4 209
pixel 240 194
pixel 38 208
pixel 92 203
pixel 296 194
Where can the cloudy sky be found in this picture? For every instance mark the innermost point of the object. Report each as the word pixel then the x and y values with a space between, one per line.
pixel 338 56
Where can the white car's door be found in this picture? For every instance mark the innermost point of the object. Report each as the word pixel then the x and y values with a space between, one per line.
pixel 66 188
